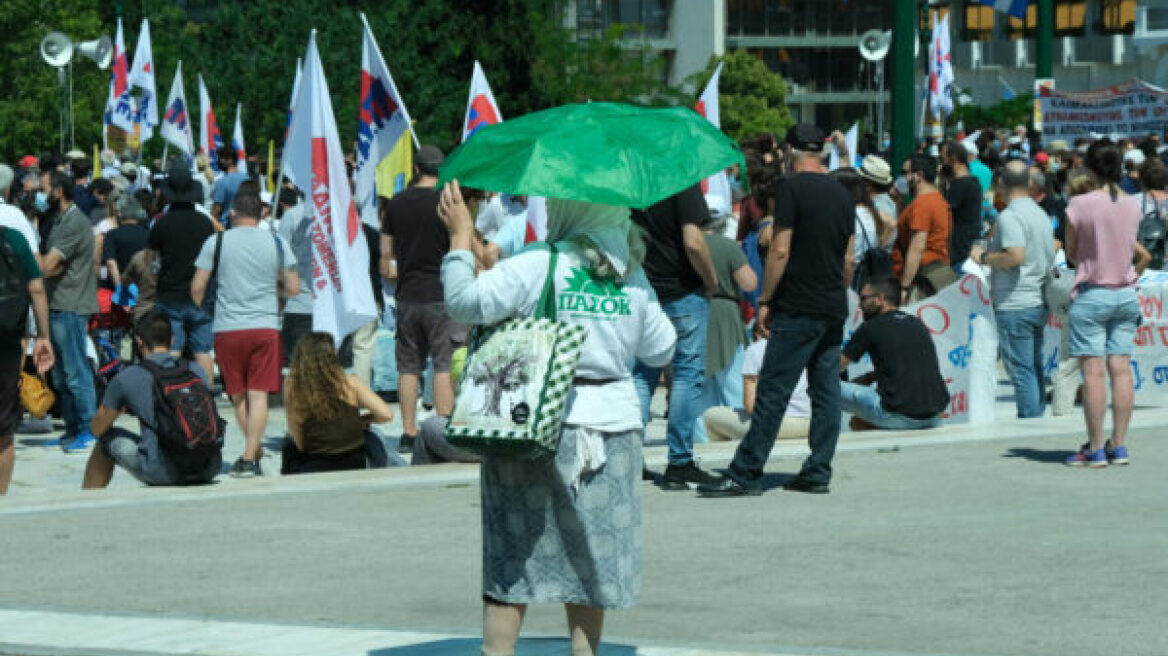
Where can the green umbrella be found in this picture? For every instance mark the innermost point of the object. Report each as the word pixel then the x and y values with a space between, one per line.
pixel 600 152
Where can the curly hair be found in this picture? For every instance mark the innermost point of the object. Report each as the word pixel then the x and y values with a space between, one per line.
pixel 317 379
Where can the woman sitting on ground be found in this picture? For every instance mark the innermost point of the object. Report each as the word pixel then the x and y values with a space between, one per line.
pixel 326 428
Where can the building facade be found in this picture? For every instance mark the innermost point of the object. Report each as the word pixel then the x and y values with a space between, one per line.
pixel 813 44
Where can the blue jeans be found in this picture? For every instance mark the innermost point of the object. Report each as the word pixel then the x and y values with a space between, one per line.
pixel 796 343
pixel 1020 334
pixel 73 374
pixel 190 326
pixel 863 401
pixel 722 389
pixel 690 316
pixel 1103 321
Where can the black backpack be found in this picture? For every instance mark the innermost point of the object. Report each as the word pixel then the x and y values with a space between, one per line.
pixel 874 263
pixel 189 428
pixel 1152 231
pixel 14 297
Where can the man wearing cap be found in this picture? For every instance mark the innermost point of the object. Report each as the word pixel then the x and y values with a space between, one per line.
pixel 176 239
pixel 71 283
pixel 123 242
pixel 964 195
pixel 413 242
pixel 804 308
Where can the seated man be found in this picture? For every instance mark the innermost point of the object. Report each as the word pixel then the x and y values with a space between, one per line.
pixel 725 424
pixel 133 390
pixel 909 390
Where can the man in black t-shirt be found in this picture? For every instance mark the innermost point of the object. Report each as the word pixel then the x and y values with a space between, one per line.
pixel 964 195
pixel 413 242
pixel 805 305
pixel 679 267
pixel 910 392
pixel 176 239
pixel 123 242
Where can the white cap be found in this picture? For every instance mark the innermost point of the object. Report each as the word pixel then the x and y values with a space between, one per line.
pixel 1135 156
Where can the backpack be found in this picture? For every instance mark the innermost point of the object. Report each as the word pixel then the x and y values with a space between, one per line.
pixel 186 421
pixel 874 263
pixel 14 298
pixel 1152 231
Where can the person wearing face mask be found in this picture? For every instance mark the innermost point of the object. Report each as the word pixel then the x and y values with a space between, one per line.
pixel 909 393
pixel 920 258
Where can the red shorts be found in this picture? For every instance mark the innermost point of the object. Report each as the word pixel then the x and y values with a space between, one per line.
pixel 249 360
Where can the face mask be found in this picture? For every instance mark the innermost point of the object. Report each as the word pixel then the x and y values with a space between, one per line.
pixel 41 203
pixel 902 186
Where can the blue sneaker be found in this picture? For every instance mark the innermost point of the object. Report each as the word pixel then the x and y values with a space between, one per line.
pixel 79 443
pixel 1116 455
pixel 1086 458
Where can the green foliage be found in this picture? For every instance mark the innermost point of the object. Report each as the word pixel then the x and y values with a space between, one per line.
pixel 753 100
pixel 1018 111
pixel 30 105
pixel 599 69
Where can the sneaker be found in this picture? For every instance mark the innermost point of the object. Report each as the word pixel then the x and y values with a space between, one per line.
pixel 35 426
pixel 246 469
pixel 79 443
pixel 1088 458
pixel 406 443
pixel 727 486
pixel 680 477
pixel 800 484
pixel 1116 455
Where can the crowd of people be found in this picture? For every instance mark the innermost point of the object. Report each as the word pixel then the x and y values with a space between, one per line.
pixel 202 280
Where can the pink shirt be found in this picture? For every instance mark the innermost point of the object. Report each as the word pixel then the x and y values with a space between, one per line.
pixel 1106 236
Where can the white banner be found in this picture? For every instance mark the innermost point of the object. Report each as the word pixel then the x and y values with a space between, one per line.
pixel 1129 110
pixel 960 318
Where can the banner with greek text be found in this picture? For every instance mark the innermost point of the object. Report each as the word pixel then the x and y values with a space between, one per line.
pixel 1128 110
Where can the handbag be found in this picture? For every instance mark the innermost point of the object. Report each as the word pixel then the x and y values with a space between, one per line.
pixel 515 383
pixel 35 397
pixel 875 263
pixel 1057 286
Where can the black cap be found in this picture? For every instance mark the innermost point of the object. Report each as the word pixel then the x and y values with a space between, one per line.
pixel 806 137
pixel 429 158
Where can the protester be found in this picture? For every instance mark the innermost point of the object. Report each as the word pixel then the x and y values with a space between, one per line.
pixel 678 265
pixel 576 538
pixel 71 283
pixel 910 393
pixel 363 341
pixel 1154 210
pixel 977 168
pixel 1101 240
pixel 874 230
pixel 1054 207
pixel 326 429
pixel 921 257
pixel 876 173
pixel 1067 378
pixel 1020 258
pixel 224 190
pixel 964 194
pixel 148 455
pixel 413 242
pixel 295 229
pixel 125 241
pixel 100 189
pixel 805 305
pixel 19 268
pixel 175 241
pixel 253 268
pixel 731 422
pixel 12 217
pixel 726 339
pixel 1132 160
pixel 83 199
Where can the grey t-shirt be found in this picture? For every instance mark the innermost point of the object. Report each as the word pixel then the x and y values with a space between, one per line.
pixel 295 227
pixel 1022 223
pixel 132 391
pixel 248 270
pixel 75 290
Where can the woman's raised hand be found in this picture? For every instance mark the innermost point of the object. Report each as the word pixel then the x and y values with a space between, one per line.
pixel 453 211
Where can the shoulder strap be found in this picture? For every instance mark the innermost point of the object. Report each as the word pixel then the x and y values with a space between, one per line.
pixel 547 299
pixel 218 254
pixel 867 239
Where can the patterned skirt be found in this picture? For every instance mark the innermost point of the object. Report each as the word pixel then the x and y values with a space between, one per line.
pixel 544 542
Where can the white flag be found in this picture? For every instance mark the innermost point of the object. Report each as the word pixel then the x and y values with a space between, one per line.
pixel 940 68
pixel 481 108
pixel 708 105
pixel 237 140
pixel 341 288
pixel 142 77
pixel 120 106
pixel 383 124
pixel 176 119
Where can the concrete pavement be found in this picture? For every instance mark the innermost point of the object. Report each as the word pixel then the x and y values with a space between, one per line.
pixel 965 541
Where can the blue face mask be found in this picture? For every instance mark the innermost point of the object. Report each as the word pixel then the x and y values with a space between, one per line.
pixel 42 202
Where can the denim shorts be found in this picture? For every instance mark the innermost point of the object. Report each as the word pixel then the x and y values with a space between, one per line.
pixel 190 326
pixel 1103 321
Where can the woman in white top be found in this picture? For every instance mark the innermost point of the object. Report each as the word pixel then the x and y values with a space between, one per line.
pixel 874 229
pixel 566 530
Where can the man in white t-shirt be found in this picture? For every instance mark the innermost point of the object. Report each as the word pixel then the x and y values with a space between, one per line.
pixel 725 424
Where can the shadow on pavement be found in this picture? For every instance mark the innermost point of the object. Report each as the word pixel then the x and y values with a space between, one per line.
pixel 770 482
pixel 1056 456
pixel 526 647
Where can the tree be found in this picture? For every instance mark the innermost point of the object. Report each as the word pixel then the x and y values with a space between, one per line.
pixel 506 371
pixel 1017 111
pixel 753 100
pixel 608 68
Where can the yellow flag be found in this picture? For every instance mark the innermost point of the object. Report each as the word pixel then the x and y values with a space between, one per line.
pixel 96 162
pixel 394 172
pixel 271 164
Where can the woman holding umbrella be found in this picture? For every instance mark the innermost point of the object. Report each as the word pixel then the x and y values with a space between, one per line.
pixel 566 530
